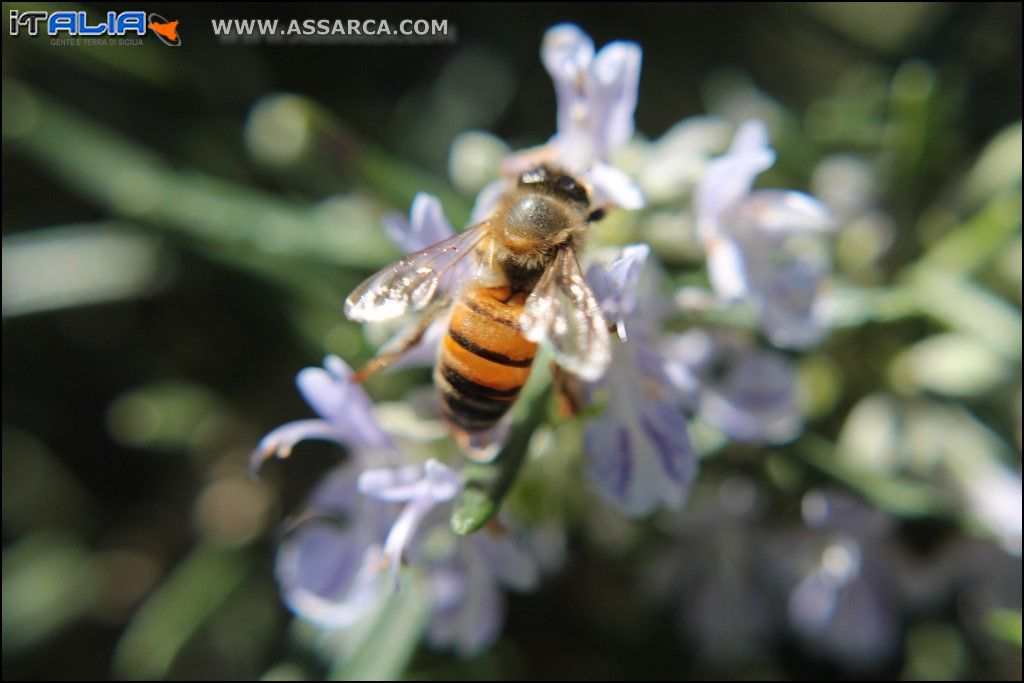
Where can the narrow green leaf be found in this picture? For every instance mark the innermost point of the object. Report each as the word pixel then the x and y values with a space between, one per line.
pixel 898 495
pixel 391 640
pixel 488 484
pixel 977 240
pixel 966 306
pixel 133 182
pixel 176 611
pixel 49 581
pixel 1005 624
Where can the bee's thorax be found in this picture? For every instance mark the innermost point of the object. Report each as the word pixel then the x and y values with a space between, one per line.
pixel 529 226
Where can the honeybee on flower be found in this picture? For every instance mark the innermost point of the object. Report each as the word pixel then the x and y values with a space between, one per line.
pixel 490 299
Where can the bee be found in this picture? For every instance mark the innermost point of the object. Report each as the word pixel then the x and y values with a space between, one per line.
pixel 511 282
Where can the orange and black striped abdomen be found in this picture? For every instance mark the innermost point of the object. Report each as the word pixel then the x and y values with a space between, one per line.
pixel 484 359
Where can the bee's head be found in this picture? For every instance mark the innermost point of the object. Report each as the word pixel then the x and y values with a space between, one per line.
pixel 563 186
pixel 557 183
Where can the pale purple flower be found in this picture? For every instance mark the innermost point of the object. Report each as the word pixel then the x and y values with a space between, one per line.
pixel 420 487
pixel 468 600
pixel 330 562
pixel 466 580
pixel 333 575
pixel 744 582
pixel 762 245
pixel 425 226
pixel 487 199
pixel 747 392
pixel 618 286
pixel 360 522
pixel 596 94
pixel 713 567
pixel 345 415
pixel 669 168
pixel 332 565
pixel 842 605
pixel 639 452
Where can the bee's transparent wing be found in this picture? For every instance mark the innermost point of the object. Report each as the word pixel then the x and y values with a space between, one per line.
pixel 563 312
pixel 411 283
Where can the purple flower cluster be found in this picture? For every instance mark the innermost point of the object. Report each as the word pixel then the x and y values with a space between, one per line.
pixel 341 559
pixel 344 554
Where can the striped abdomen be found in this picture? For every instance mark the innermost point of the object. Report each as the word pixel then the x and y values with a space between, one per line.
pixel 483 360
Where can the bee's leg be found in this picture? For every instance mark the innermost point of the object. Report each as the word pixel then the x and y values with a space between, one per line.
pixel 568 392
pixel 405 340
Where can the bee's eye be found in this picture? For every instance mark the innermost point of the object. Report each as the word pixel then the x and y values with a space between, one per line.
pixel 571 188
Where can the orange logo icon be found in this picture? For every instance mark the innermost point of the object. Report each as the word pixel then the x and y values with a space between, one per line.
pixel 168 30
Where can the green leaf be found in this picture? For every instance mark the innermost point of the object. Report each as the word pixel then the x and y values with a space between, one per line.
pixel 898 495
pixel 133 182
pixel 390 641
pixel 952 364
pixel 487 484
pixel 967 307
pixel 49 581
pixel 1005 624
pixel 176 611
pixel 975 242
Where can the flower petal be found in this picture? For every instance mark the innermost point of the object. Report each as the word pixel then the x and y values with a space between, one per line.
pixel 339 400
pixel 392 484
pixel 421 488
pixel 790 315
pixel 487 199
pixel 427 225
pixel 404 529
pixel 617 287
pixel 751 139
pixel 329 565
pixel 596 97
pixel 729 178
pixel 567 53
pixel 756 404
pixel 666 429
pixel 638 466
pixel 610 457
pixel 747 392
pixel 727 269
pixel 279 442
pixel 469 615
pixel 786 211
pixel 347 588
pixel 509 561
pixel 612 186
pixel 615 80
pixel 433 481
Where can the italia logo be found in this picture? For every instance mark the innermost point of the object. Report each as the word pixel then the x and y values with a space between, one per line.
pixel 76 24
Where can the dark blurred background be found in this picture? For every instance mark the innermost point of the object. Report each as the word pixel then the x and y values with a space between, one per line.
pixel 136 380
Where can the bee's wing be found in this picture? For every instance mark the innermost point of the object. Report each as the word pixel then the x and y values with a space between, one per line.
pixel 411 283
pixel 562 311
